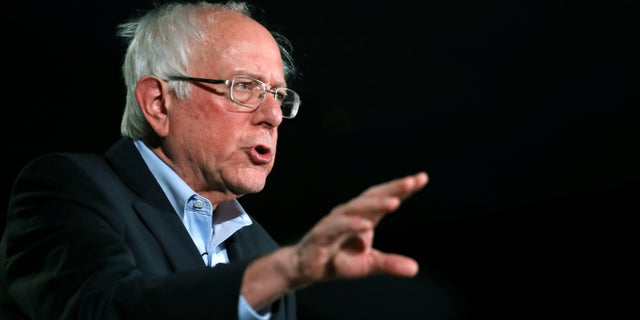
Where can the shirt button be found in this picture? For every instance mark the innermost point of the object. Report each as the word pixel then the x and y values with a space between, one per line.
pixel 198 204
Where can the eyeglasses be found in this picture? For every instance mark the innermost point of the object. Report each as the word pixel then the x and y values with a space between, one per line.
pixel 250 93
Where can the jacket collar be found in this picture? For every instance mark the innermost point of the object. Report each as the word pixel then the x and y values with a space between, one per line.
pixel 153 207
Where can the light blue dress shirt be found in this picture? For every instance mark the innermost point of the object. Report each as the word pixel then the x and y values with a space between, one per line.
pixel 208 230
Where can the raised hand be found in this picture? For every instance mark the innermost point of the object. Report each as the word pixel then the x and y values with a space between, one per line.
pixel 341 244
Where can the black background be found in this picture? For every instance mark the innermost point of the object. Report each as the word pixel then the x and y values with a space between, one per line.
pixel 524 113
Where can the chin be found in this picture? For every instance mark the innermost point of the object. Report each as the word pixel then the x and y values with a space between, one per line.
pixel 247 189
pixel 246 179
pixel 250 184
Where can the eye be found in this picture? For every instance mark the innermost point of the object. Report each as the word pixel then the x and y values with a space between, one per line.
pixel 243 85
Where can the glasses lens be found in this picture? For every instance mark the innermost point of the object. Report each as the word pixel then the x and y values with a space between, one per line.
pixel 246 91
pixel 289 102
pixel 251 92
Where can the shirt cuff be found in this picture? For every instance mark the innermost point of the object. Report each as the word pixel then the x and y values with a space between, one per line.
pixel 246 312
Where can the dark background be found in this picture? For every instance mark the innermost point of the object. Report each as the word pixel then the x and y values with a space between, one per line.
pixel 524 113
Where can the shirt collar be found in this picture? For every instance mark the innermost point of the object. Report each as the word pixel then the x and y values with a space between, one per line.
pixel 178 192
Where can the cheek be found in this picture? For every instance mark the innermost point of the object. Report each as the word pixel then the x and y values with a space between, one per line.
pixel 219 133
pixel 204 116
pixel 195 126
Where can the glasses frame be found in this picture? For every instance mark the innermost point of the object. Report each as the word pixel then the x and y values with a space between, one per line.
pixel 229 84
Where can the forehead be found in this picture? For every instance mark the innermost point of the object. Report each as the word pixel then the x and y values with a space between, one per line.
pixel 234 43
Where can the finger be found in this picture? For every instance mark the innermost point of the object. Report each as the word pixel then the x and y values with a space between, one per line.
pixel 408 185
pixel 333 229
pixel 396 264
pixel 384 198
pixel 371 207
pixel 400 187
pixel 321 244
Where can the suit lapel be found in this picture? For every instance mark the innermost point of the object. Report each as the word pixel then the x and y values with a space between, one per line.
pixel 237 246
pixel 154 208
pixel 172 236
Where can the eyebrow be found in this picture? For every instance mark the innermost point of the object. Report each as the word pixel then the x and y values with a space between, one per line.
pixel 247 73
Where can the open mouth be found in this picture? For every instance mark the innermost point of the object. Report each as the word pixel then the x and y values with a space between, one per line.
pixel 262 150
pixel 260 154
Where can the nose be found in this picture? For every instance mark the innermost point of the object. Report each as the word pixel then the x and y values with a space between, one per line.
pixel 270 111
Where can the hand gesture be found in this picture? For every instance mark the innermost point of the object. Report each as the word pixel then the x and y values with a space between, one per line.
pixel 341 244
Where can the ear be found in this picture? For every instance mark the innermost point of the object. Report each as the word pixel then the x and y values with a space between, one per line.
pixel 151 94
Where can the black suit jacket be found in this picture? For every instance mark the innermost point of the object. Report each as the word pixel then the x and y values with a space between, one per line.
pixel 95 237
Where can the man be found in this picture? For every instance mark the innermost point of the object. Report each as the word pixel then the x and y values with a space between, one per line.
pixel 153 229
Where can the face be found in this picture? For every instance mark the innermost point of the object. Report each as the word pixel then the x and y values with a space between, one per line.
pixel 221 149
